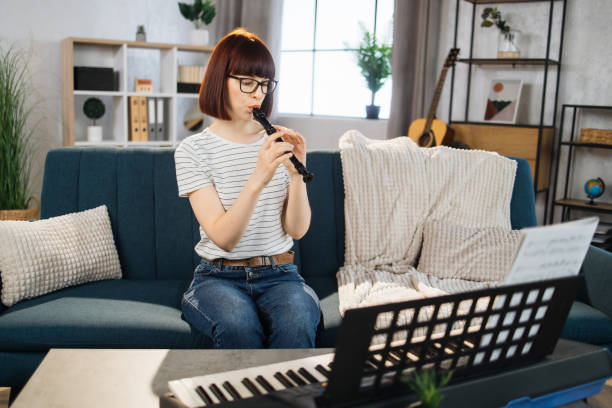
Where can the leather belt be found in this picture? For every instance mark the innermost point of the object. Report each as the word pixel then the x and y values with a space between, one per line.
pixel 280 259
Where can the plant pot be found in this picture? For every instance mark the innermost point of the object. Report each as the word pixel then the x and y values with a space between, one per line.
pixel 198 37
pixel 94 134
pixel 372 111
pixel 22 215
pixel 507 45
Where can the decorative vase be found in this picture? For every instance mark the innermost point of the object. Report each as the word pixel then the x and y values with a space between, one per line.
pixel 372 111
pixel 507 45
pixel 94 134
pixel 141 36
pixel 198 36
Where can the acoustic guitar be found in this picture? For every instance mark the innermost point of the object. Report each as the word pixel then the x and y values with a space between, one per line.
pixel 429 132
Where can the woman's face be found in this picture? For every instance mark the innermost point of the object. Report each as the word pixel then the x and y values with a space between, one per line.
pixel 241 104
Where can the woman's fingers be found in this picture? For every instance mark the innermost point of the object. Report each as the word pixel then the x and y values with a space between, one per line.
pixel 282 147
pixel 282 159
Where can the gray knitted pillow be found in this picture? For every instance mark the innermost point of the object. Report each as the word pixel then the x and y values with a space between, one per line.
pixel 46 255
pixel 475 254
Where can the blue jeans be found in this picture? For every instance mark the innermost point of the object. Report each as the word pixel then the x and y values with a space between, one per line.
pixel 241 307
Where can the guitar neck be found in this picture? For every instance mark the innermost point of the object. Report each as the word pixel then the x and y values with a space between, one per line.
pixel 436 99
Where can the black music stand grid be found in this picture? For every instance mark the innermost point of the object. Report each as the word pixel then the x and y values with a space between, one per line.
pixel 470 333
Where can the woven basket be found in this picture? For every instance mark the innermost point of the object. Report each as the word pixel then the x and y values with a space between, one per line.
pixel 22 215
pixel 598 136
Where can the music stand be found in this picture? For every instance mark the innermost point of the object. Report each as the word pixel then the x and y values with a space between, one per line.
pixel 470 333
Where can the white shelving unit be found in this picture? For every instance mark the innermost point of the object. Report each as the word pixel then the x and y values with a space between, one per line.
pixel 131 59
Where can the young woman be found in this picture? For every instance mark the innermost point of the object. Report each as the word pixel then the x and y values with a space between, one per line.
pixel 250 203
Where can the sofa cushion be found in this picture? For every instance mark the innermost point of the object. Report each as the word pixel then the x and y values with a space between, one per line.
pixel 155 230
pixel 476 254
pixel 106 314
pixel 46 255
pixel 588 325
pixel 327 291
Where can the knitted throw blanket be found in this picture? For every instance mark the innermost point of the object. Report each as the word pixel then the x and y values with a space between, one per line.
pixel 392 187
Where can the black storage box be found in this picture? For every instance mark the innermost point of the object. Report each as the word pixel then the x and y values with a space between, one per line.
pixel 187 87
pixel 96 79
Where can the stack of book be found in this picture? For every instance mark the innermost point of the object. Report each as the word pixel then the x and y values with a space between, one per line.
pixel 189 78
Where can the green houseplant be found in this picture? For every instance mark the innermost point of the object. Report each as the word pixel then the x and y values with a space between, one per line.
pixel 199 13
pixel 374 60
pixel 427 387
pixel 94 109
pixel 15 136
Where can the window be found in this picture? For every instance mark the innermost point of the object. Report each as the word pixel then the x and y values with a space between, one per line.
pixel 318 70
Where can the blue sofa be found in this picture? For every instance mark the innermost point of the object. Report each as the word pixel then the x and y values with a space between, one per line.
pixel 155 232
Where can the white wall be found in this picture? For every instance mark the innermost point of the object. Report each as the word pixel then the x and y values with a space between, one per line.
pixel 586 73
pixel 323 132
pixel 41 25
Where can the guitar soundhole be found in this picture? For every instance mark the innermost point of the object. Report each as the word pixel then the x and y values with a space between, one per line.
pixel 426 139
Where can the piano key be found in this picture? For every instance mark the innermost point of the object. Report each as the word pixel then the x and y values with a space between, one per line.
pixel 295 378
pixel 245 381
pixel 320 377
pixel 322 370
pixel 264 383
pixel 231 390
pixel 240 388
pixel 184 390
pixel 283 380
pixel 218 393
pixel 251 387
pixel 306 374
pixel 204 395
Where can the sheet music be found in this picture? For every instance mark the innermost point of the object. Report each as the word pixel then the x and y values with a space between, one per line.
pixel 552 251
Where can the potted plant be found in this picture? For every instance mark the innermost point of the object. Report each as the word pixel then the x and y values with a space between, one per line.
pixel 141 35
pixel 200 13
pixel 427 387
pixel 94 109
pixel 374 59
pixel 16 132
pixel 507 43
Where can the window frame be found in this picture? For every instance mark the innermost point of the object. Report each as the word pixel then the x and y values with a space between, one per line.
pixel 314 51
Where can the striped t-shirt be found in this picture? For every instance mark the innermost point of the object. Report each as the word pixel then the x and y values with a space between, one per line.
pixel 207 159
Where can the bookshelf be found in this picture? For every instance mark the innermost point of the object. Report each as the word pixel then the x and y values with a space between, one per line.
pixel 533 140
pixel 571 162
pixel 130 59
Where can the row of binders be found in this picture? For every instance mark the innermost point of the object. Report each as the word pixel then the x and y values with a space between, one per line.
pixel 146 119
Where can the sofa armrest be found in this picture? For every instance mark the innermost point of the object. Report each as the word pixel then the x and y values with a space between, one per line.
pixel 597 271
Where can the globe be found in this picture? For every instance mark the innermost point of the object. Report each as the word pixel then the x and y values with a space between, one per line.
pixel 594 188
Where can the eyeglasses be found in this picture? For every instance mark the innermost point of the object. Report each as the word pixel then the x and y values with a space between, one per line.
pixel 249 85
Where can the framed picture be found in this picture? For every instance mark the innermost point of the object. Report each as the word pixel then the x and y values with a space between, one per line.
pixel 503 100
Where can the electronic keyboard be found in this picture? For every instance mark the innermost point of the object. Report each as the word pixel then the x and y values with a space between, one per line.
pixel 375 356
pixel 251 382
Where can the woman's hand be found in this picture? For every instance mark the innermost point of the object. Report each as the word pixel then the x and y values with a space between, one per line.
pixel 271 155
pixel 299 147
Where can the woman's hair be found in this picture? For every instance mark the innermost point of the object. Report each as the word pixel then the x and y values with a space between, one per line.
pixel 238 53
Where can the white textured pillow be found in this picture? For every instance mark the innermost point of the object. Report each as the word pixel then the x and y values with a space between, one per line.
pixel 476 254
pixel 46 255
